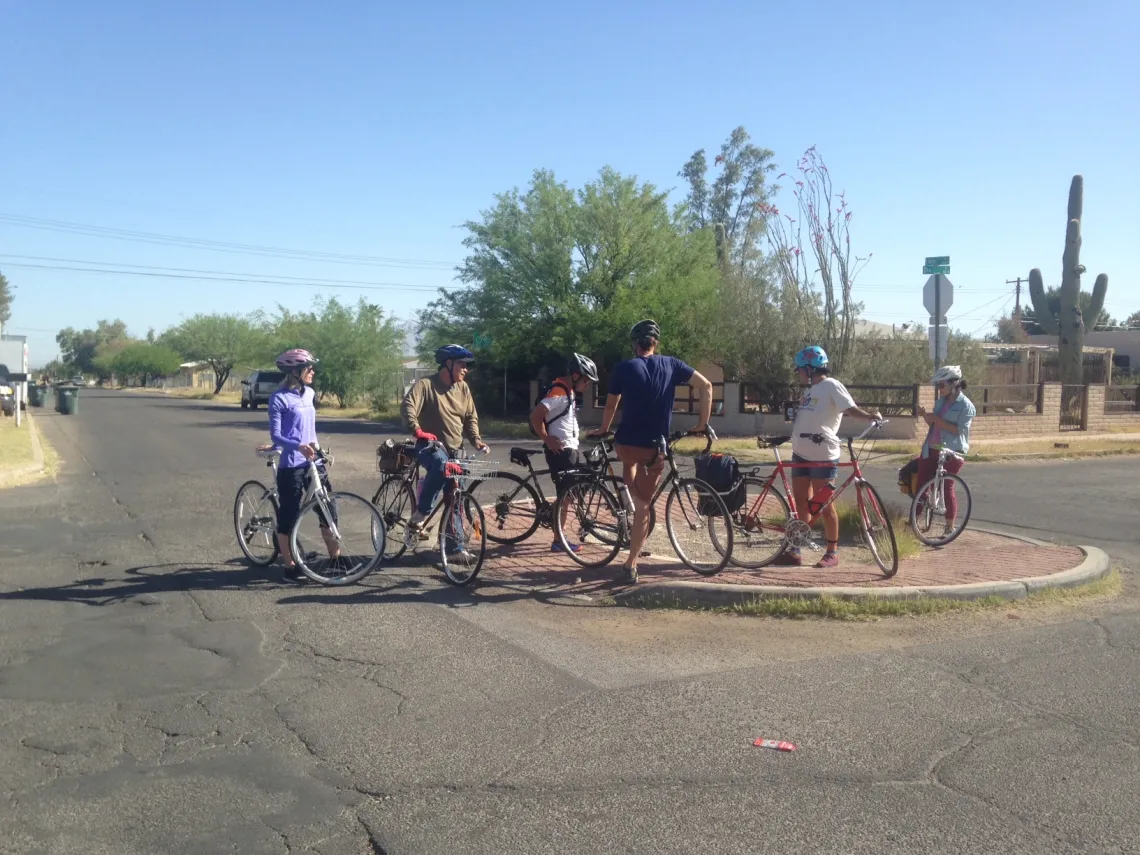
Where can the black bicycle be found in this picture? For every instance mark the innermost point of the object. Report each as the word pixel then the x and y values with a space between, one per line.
pixel 515 507
pixel 696 517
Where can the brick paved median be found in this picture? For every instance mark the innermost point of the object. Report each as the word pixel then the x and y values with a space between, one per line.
pixel 973 557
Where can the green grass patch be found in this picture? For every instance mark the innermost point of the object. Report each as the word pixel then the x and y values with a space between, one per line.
pixel 15 444
pixel 906 541
pixel 876 608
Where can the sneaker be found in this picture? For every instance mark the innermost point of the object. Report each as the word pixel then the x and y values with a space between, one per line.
pixel 294 576
pixel 789 558
pixel 629 575
pixel 340 563
pixel 557 547
pixel 830 559
pixel 462 555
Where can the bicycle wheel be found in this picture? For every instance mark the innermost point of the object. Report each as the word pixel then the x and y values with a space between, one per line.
pixel 929 523
pixel 356 522
pixel 759 527
pixel 462 557
pixel 512 507
pixel 594 523
pixel 703 541
pixel 255 523
pixel 395 501
pixel 876 528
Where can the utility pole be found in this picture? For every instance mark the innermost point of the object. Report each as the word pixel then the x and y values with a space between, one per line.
pixel 1017 297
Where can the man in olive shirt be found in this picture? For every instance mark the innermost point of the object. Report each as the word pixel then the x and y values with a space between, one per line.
pixel 441 407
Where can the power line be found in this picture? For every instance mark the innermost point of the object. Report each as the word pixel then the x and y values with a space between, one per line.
pixel 266 276
pixel 392 286
pixel 217 246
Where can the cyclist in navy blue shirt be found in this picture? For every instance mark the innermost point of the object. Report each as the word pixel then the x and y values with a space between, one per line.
pixel 647 384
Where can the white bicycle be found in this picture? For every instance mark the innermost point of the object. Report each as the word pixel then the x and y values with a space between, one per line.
pixel 928 507
pixel 351 528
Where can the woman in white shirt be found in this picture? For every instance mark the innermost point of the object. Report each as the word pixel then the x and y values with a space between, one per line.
pixel 815 445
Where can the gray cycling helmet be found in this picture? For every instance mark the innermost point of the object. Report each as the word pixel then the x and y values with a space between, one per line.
pixel 579 364
pixel 645 329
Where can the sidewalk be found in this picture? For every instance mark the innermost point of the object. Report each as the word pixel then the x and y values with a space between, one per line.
pixel 978 563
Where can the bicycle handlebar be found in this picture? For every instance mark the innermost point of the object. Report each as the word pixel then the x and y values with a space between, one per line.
pixel 708 433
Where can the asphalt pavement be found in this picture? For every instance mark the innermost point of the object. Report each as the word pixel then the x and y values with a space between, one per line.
pixel 157 695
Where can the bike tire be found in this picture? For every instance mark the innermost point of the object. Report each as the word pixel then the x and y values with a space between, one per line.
pixel 503 499
pixel 471 509
pixel 873 516
pixel 744 526
pixel 266 493
pixel 583 492
pixel 965 507
pixel 685 495
pixel 340 500
pixel 395 500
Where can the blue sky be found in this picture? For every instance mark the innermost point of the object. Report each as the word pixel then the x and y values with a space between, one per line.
pixel 376 130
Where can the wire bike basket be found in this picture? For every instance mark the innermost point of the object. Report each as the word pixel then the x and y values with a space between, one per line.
pixel 475 470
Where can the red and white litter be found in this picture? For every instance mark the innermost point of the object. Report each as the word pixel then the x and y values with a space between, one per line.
pixel 775 744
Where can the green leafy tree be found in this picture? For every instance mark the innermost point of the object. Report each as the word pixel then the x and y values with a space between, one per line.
pixel 79 348
pixel 735 200
pixel 553 270
pixel 1133 320
pixel 358 346
pixel 143 361
pixel 220 340
pixel 6 298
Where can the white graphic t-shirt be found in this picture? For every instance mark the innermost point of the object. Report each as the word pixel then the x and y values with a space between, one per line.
pixel 820 412
pixel 565 426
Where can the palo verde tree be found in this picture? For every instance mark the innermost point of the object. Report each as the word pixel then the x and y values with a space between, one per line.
pixel 554 269
pixel 5 300
pixel 221 341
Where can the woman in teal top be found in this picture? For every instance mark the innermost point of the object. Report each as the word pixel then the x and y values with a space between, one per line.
pixel 949 428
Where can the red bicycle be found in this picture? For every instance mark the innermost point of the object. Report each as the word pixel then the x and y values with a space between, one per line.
pixel 765 527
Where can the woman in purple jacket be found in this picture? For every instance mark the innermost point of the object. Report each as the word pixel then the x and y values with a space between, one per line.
pixel 293 429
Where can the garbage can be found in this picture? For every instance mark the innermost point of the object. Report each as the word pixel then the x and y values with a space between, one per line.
pixel 68 397
pixel 36 396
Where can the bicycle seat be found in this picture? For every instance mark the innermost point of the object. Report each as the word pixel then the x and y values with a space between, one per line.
pixel 268 453
pixel 771 441
pixel 522 456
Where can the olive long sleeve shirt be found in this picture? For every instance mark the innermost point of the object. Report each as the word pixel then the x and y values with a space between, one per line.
pixel 447 411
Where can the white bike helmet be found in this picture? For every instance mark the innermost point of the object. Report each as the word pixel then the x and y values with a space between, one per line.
pixel 947 374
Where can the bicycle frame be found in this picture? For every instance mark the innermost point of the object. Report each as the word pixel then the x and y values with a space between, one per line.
pixel 314 489
pixel 781 469
pixel 944 454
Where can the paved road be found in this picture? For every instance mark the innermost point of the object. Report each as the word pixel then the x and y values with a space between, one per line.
pixel 157 696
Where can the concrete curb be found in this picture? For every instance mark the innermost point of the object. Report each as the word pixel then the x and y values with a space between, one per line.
pixel 37 464
pixel 1096 565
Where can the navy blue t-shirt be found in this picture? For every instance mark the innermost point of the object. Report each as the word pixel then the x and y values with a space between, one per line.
pixel 646 385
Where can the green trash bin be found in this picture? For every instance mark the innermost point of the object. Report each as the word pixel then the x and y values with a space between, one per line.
pixel 68 397
pixel 36 395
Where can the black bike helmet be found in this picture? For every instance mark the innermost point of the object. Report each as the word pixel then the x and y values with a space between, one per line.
pixel 645 329
pixel 579 364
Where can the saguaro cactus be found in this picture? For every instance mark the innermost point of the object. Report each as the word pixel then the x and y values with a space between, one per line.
pixel 1069 325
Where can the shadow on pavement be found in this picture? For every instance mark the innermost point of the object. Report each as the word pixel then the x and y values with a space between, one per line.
pixel 147 581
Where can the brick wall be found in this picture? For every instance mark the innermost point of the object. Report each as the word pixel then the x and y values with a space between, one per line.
pixel 1012 425
pixel 1093 415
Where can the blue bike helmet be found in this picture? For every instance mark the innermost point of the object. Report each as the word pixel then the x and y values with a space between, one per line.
pixel 812 356
pixel 453 351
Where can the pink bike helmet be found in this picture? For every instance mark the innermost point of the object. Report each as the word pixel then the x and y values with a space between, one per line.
pixel 295 358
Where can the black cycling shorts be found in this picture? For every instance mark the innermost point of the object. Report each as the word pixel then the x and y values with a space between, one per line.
pixel 291 483
pixel 563 461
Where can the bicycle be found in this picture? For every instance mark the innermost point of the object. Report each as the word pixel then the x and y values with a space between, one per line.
pixel 778 522
pixel 261 528
pixel 594 505
pixel 397 496
pixel 930 501
pixel 510 497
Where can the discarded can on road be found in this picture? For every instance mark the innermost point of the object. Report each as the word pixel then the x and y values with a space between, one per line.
pixel 777 744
